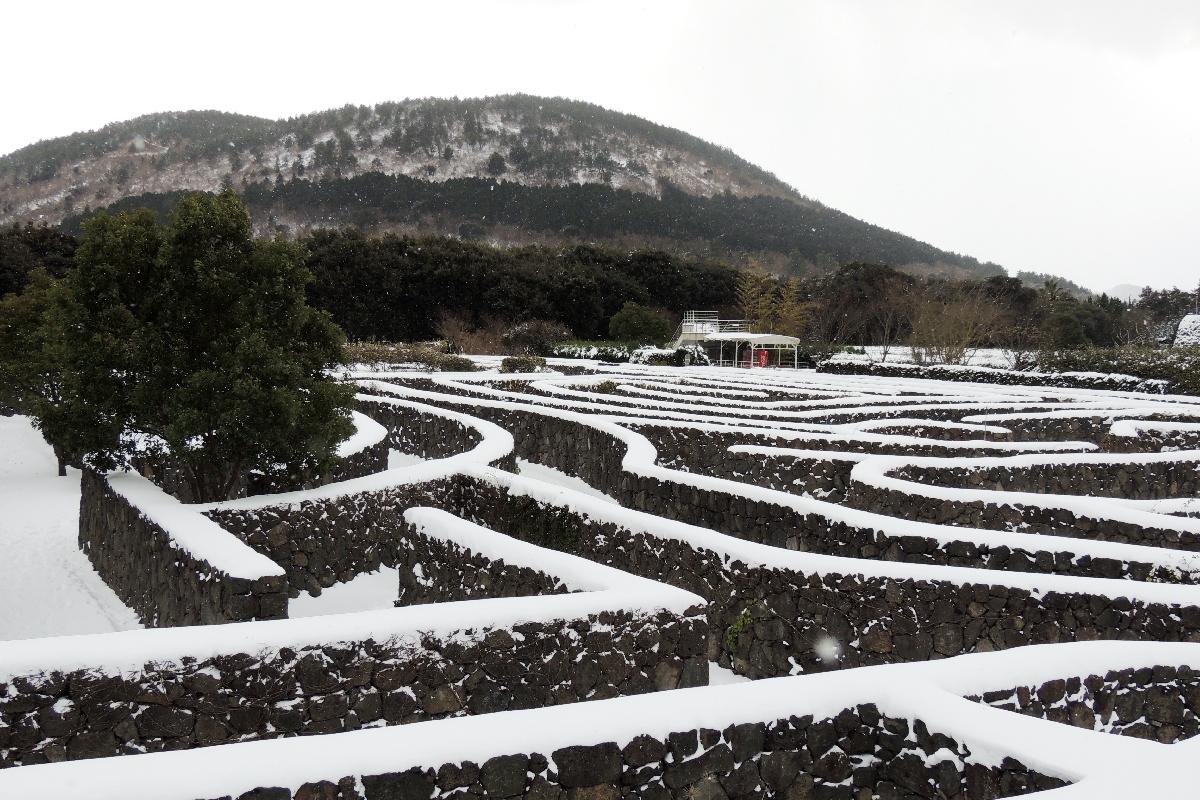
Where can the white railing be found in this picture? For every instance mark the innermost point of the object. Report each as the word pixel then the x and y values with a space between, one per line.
pixel 700 323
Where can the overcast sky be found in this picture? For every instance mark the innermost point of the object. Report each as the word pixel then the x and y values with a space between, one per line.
pixel 1052 137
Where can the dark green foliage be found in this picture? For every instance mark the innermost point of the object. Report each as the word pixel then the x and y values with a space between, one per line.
pixel 394 288
pixel 31 369
pixel 615 352
pixel 471 232
pixel 496 165
pixel 638 325
pixel 679 357
pixel 26 248
pixel 1157 314
pixel 196 337
pixel 1072 325
pixel 1181 366
pixel 522 364
pixel 1038 280
pixel 745 224
pixel 854 301
pixel 446 362
pixel 161 204
pixel 543 525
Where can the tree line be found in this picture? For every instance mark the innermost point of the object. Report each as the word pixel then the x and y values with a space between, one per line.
pixel 865 304
pixel 399 288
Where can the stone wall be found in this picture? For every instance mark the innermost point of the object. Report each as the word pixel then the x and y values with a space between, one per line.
pixel 698 450
pixel 1158 703
pixel 345 686
pixel 323 689
pixel 164 584
pixel 595 456
pixel 1151 441
pixel 766 621
pixel 317 555
pixel 423 434
pixel 859 753
pixel 320 543
pixel 1149 481
pixel 1087 429
pixel 1004 515
pixel 775 615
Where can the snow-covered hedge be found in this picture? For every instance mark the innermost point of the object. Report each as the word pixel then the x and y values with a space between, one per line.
pixel 613 353
pixel 653 356
pixel 665 357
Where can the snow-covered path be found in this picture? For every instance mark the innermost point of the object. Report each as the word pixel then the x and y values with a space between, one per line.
pixel 47 586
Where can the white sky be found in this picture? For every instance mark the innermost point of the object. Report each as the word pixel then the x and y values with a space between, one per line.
pixel 1053 137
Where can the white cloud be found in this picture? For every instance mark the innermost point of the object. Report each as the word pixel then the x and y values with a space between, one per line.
pixel 1055 138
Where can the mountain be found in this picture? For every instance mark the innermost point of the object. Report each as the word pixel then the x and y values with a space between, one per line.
pixel 513 169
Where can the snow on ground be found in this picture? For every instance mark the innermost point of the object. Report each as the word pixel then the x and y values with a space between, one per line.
pixel 47 585
pixel 370 591
pixel 983 357
pixel 38 516
pixel 556 477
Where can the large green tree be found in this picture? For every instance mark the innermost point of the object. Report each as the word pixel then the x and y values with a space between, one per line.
pixel 638 325
pixel 32 358
pixel 195 340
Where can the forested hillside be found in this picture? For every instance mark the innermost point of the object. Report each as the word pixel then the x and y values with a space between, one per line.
pixel 805 239
pixel 511 170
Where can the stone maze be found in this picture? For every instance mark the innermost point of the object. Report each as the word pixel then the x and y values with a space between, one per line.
pixel 648 583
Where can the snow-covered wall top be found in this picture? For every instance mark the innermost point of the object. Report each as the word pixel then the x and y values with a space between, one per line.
pixel 1102 766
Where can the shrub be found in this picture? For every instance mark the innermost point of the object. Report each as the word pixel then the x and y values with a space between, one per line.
pixel 1180 366
pixel 638 325
pixel 384 354
pixel 660 357
pixel 471 231
pixel 537 337
pixel 523 364
pixel 599 351
pixel 445 362
pixel 464 336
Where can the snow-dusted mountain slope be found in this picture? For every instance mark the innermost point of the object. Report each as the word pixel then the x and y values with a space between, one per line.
pixel 542 141
pixel 565 170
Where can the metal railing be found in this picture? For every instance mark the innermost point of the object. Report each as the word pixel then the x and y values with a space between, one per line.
pixel 700 323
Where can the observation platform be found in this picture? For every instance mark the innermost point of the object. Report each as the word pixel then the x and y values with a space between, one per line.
pixel 733 343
